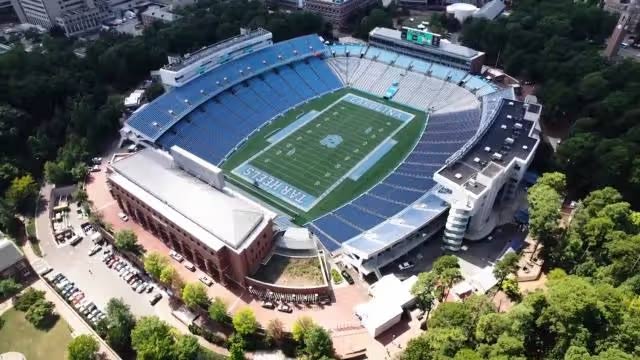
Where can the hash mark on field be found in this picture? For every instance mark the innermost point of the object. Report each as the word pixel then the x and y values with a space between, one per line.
pixel 380 130
pixel 346 158
pixel 364 143
pixel 356 150
pixel 310 131
pixel 327 174
pixel 368 130
pixel 291 152
pixel 338 166
pixel 299 138
pixel 317 183
pixel 288 145
pixel 278 152
pixel 373 136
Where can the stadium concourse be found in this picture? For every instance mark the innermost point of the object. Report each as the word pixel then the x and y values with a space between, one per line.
pixel 216 115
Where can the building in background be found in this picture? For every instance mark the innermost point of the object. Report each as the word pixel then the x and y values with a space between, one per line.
pixel 428 46
pixel 13 264
pixel 337 12
pixel 630 7
pixel 617 37
pixel 75 17
pixel 158 13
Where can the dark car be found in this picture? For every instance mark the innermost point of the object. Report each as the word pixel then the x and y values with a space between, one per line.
pixel 154 300
pixel 268 305
pixel 347 277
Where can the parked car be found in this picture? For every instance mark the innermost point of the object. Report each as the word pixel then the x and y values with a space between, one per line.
pixel 285 308
pixel 149 288
pixel 154 300
pixel 95 168
pixel 140 289
pixel 205 280
pixel 123 216
pixel 96 160
pixel 347 277
pixel 94 250
pixel 189 266
pixel 406 265
pixel 268 305
pixel 175 256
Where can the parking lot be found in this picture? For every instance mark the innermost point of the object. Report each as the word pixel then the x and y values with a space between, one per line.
pixel 89 273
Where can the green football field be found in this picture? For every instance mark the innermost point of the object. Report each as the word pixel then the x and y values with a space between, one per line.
pixel 317 155
pixel 309 161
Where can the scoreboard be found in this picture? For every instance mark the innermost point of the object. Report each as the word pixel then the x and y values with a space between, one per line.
pixel 420 37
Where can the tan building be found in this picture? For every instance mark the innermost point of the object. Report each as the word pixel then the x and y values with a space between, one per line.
pixel 183 203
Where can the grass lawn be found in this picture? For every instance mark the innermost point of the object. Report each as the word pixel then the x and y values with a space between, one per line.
pixel 288 271
pixel 314 169
pixel 17 334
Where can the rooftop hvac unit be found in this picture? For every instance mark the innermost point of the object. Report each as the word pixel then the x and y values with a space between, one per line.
pixel 487 149
pixel 264 62
pixel 518 125
pixel 458 176
pixel 310 47
pixel 503 126
pixel 511 103
pixel 225 78
pixel 509 117
pixel 155 123
pixel 186 101
pixel 218 82
pixel 508 140
pixel 202 91
pixel 280 57
pixel 472 182
pixel 496 156
pixel 476 160
pixel 171 112
pixel 248 68
pixel 241 71
pixel 525 147
pixel 295 51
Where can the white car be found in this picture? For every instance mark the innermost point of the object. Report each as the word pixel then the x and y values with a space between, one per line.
pixel 406 265
pixel 205 280
pixel 96 160
pixel 95 168
pixel 123 216
pixel 175 256
pixel 189 266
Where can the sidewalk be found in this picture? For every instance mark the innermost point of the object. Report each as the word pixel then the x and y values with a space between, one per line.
pixel 76 323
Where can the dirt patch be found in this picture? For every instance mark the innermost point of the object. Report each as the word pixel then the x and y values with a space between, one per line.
pixel 287 271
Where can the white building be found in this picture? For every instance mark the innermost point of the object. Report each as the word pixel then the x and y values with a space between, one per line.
pixel 489 172
pixel 73 16
pixel 390 296
pixel 181 70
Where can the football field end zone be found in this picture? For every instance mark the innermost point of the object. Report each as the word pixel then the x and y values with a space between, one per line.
pixel 302 200
pixel 281 189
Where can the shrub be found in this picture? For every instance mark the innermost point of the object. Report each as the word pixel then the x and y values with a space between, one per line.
pixel 28 298
pixel 335 275
pixel 40 314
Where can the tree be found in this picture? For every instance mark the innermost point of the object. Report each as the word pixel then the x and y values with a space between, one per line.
pixel 506 266
pixel 40 314
pixel 447 272
pixel 423 289
pixel 22 192
pixel 244 322
pixel 187 348
pixel 28 298
pixel 318 344
pixel 300 327
pixel 154 263
pixel 153 91
pixel 169 277
pixel 544 212
pixel 83 347
pixel 236 349
pixel 218 311
pixel 126 240
pixel 119 324
pixel 555 180
pixel 8 287
pixel 275 332
pixel 195 295
pixel 152 338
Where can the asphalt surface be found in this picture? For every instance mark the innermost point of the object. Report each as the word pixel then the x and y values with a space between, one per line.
pixel 89 273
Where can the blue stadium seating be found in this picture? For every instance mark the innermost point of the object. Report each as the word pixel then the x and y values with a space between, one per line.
pixel 358 217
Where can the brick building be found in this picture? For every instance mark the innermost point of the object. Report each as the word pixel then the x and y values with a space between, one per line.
pixel 223 233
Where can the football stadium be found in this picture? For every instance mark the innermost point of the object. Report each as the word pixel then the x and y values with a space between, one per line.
pixel 373 148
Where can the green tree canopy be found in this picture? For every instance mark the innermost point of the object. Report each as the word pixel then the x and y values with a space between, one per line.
pixel 218 311
pixel 195 295
pixel 244 322
pixel 154 263
pixel 152 338
pixel 83 347
pixel 126 240
pixel 119 324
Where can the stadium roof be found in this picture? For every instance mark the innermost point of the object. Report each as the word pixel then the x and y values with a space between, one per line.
pixel 445 46
pixel 399 226
pixel 217 218
pixel 480 158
